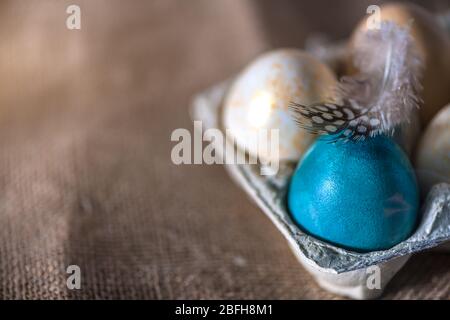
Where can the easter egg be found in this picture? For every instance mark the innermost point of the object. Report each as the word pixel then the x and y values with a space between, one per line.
pixel 433 152
pixel 362 196
pixel 433 44
pixel 259 100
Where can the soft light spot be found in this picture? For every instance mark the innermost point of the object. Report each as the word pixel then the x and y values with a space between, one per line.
pixel 260 109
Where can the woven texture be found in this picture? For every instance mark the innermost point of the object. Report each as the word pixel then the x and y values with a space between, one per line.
pixel 85 170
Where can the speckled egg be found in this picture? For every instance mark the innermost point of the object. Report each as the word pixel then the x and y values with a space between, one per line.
pixel 259 99
pixel 433 43
pixel 362 196
pixel 433 152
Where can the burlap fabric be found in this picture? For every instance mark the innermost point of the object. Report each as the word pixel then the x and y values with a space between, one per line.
pixel 85 171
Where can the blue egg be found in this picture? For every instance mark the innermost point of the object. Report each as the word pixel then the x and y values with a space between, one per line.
pixel 362 196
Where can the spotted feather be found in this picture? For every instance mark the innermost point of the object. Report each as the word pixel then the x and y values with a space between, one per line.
pixel 377 99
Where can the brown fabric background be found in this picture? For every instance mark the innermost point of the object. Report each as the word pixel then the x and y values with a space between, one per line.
pixel 85 170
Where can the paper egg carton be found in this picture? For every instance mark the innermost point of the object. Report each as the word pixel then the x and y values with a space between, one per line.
pixel 337 270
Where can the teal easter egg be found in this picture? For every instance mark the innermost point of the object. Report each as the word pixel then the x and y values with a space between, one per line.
pixel 361 196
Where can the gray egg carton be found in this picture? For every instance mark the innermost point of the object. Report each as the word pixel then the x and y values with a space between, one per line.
pixel 338 270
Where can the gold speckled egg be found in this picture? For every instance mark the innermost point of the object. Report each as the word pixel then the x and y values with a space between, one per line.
pixel 433 43
pixel 259 99
pixel 433 152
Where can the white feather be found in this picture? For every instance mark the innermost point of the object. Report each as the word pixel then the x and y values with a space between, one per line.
pixel 382 94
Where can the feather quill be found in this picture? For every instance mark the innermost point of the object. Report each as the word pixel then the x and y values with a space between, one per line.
pixel 381 96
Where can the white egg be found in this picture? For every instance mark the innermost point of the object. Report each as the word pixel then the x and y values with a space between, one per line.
pixel 433 152
pixel 259 99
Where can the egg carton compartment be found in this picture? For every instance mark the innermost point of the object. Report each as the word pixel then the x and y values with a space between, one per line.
pixel 335 269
